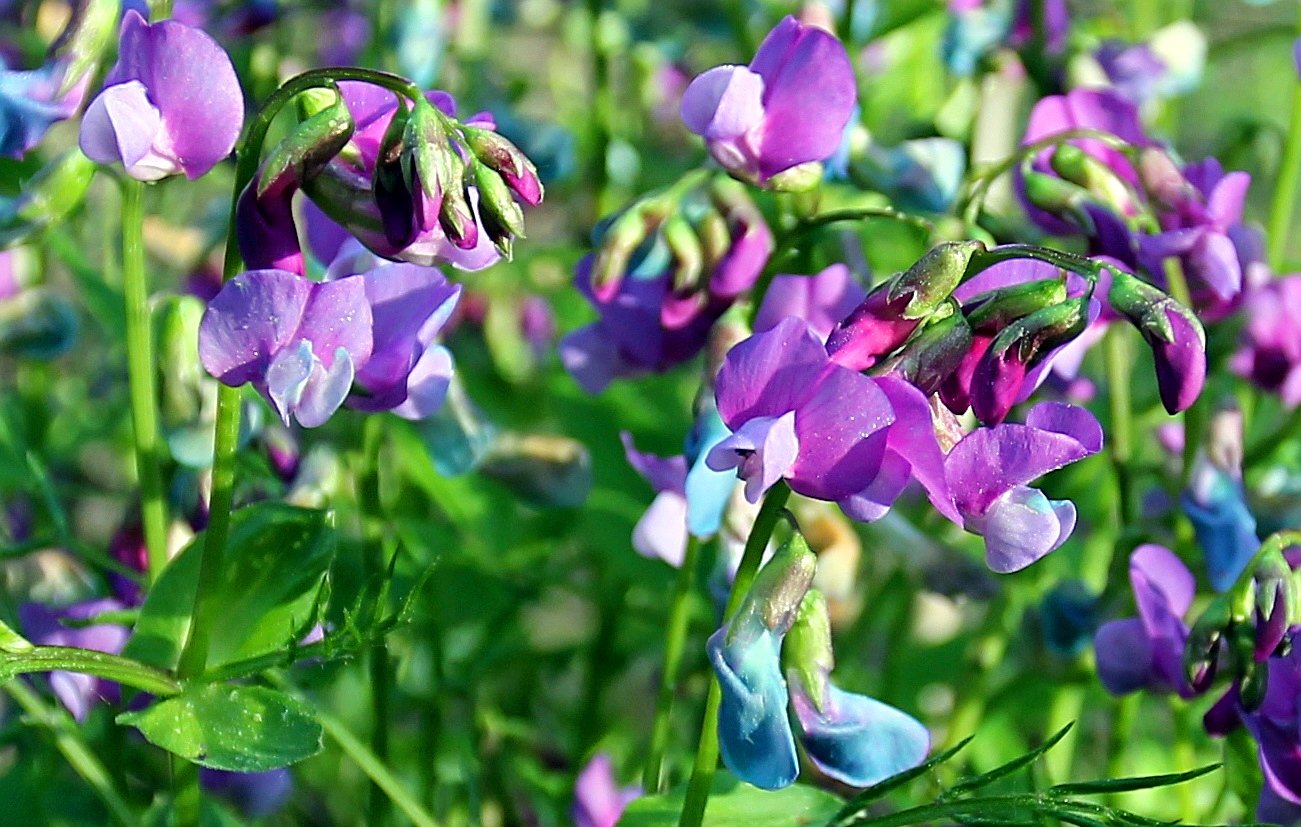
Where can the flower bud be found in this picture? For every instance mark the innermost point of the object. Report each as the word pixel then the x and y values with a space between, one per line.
pixel 932 278
pixel 179 389
pixel 430 162
pixel 504 158
pixel 502 218
pixel 1062 198
pixel 1163 180
pixel 874 329
pixel 997 381
pixel 392 187
pixel 778 589
pixel 1205 642
pixel 688 254
pixel 455 215
pixel 1081 168
pixel 802 178
pixel 933 353
pixel 1175 335
pixel 995 310
pixel 47 198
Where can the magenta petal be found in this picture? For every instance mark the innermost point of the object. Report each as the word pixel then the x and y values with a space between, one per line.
pixel 1180 365
pixel 740 268
pixel 663 473
pixel 821 300
pixel 1228 197
pixel 989 462
pixel 841 435
pixel 769 373
pixel 912 438
pixel 809 96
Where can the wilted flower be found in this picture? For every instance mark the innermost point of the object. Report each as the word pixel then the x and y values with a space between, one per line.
pixel 171 103
pixel 786 109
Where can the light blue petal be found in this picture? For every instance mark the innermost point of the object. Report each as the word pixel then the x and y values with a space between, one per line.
pixel 287 377
pixel 708 491
pixel 1225 529
pixel 859 740
pixel 754 732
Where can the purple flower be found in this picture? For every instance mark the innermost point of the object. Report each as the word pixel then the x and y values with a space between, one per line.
pixel 299 342
pixel 797 415
pixel 1216 505
pixel 988 472
pixel 872 330
pixel 303 344
pixel 822 300
pixel 1271 339
pixel 30 103
pixel 787 108
pixel 1146 652
pixel 42 625
pixel 1276 726
pixel 1135 71
pixel 171 103
pixel 254 794
pixel 598 800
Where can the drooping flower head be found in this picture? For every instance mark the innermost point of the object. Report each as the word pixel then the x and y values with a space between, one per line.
pixel 787 108
pixel 171 104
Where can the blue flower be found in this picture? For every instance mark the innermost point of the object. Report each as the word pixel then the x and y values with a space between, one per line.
pixel 1226 530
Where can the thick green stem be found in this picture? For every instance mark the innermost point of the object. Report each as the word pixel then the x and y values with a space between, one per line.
pixel 67 739
pixel 702 773
pixel 1284 201
pixel 675 639
pixel 88 662
pixel 141 383
pixel 1120 435
pixel 194 657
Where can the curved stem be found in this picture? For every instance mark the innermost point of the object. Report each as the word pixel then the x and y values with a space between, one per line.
pixel 141 383
pixel 702 772
pixel 88 662
pixel 982 260
pixel 675 638
pixel 1284 200
pixel 194 656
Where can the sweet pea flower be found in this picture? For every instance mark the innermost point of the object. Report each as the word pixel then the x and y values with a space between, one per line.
pixel 299 342
pixel 822 300
pixel 1270 355
pixel 797 415
pixel 171 104
pixel 1276 727
pixel 1216 505
pixel 787 108
pixel 598 799
pixel 303 344
pixel 1146 652
pixel 43 625
pixel 988 472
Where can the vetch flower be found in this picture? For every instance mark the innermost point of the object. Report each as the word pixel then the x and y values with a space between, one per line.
pixel 171 103
pixel 76 691
pixel 299 342
pixel 822 300
pixel 855 739
pixel 31 102
pixel 786 109
pixel 988 472
pixel 1216 505
pixel 1177 339
pixel 1147 652
pixel 754 731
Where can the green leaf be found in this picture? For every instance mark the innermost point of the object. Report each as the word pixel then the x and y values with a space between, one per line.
pixel 13 643
pixel 237 728
pixel 860 802
pixel 733 803
pixel 968 785
pixel 276 557
pixel 1124 785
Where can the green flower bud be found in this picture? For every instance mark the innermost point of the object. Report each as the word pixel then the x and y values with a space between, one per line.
pixel 502 217
pixel 1052 194
pixel 1081 168
pixel 326 128
pixel 930 281
pixel 181 375
pixel 802 178
pixel 807 651
pixel 933 352
pixel 504 158
pixel 999 308
pixel 688 254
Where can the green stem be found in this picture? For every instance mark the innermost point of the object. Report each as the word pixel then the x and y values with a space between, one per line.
pixel 702 772
pixel 88 662
pixel 1121 433
pixel 372 766
pixel 982 260
pixel 67 739
pixel 368 502
pixel 140 377
pixel 194 656
pixel 1284 201
pixel 675 639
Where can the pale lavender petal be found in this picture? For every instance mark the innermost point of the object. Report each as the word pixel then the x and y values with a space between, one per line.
pixel 1022 526
pixel 662 530
pixel 1214 258
pixel 764 448
pixel 287 377
pixel 326 390
pixel 427 384
pixel 1163 585
pixel 1228 197
pixel 122 125
pixel 912 438
pixel 723 103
